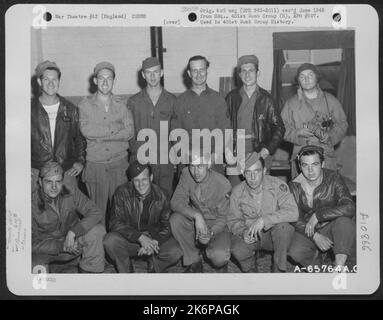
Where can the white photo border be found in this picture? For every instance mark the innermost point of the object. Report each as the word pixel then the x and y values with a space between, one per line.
pixel 20 281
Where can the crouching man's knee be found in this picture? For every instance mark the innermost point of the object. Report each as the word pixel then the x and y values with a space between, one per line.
pixel 344 224
pixel 98 232
pixel 218 257
pixel 176 219
pixel 112 241
pixel 283 230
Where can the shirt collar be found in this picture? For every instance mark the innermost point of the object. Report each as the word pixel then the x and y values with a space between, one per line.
pixel 98 103
pixel 244 94
pixel 206 91
pixel 207 179
pixel 302 96
pixel 300 179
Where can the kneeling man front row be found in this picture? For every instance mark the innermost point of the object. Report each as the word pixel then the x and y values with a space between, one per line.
pixel 314 216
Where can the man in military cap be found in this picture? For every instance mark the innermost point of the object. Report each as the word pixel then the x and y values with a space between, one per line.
pixel 139 223
pixel 253 110
pixel 107 125
pixel 65 224
pixel 55 133
pixel 261 209
pixel 326 213
pixel 313 117
pixel 201 205
pixel 150 106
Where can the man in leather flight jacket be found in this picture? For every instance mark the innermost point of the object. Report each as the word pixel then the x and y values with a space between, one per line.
pixel 55 133
pixel 326 213
pixel 139 223
pixel 253 109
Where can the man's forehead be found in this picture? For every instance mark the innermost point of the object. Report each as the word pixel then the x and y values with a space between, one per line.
pixel 311 158
pixel 105 72
pixel 197 158
pixel 155 68
pixel 198 63
pixel 57 177
pixel 50 73
pixel 307 72
pixel 248 66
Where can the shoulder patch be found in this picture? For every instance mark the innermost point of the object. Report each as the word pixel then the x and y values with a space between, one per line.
pixel 283 188
pixel 227 196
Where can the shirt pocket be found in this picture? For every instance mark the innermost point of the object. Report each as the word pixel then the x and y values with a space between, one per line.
pixel 247 210
pixel 165 115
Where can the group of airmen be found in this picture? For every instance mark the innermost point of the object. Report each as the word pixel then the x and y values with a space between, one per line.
pixel 200 210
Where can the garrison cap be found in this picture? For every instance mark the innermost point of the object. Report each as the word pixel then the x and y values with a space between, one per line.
pixel 51 169
pixel 41 67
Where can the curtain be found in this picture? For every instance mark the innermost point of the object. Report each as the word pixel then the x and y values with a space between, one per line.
pixel 346 88
pixel 276 86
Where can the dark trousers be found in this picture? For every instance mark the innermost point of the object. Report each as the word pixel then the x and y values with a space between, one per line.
pixel 341 231
pixel 121 251
pixel 276 239
pixel 217 250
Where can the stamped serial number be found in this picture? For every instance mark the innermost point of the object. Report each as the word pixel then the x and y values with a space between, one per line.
pixel 325 268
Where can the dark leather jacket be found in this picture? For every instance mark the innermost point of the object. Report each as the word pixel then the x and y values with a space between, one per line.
pixel 331 200
pixel 267 125
pixel 125 214
pixel 69 144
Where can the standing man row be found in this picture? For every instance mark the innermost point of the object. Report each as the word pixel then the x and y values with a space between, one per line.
pixel 310 117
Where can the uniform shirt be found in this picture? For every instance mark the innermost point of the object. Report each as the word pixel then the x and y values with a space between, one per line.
pixel 245 117
pixel 145 203
pixel 246 110
pixel 277 205
pixel 205 111
pixel 147 115
pixel 210 198
pixel 52 115
pixel 107 131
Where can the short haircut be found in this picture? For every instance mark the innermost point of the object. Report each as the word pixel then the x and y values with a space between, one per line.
pixel 311 153
pixel 195 58
pixel 50 68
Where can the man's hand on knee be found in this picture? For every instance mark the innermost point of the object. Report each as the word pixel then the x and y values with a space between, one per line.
pixel 71 245
pixel 201 227
pixel 256 228
pixel 148 245
pixel 205 238
pixel 322 242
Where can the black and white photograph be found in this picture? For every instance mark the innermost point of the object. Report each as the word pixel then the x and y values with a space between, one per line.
pixel 166 144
